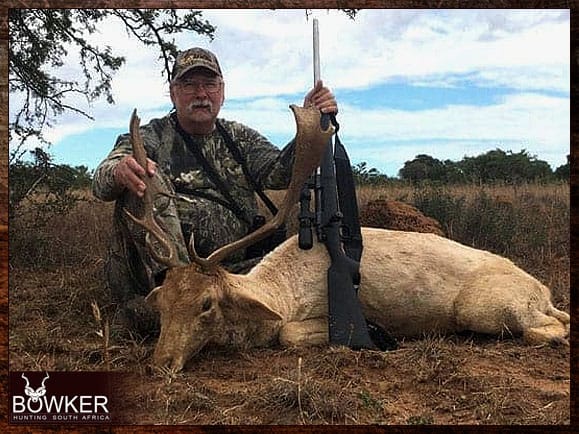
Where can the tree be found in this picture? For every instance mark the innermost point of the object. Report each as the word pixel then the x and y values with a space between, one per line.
pixel 453 173
pixel 498 165
pixel 563 172
pixel 351 13
pixel 40 40
pixel 423 167
pixel 364 175
pixel 48 187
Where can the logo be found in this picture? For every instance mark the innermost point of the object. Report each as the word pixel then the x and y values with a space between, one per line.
pixel 59 397
pixel 35 395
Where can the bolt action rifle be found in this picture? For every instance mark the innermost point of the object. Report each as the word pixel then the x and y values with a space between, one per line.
pixel 338 227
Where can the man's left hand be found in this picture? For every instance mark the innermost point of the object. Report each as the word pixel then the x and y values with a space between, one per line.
pixel 322 98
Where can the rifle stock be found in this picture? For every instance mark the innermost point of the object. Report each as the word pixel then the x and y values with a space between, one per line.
pixel 347 325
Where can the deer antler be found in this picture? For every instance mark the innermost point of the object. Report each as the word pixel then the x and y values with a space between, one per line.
pixel 45 378
pixel 148 221
pixel 27 382
pixel 310 144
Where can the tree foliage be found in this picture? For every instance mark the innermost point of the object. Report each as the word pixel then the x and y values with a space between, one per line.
pixel 351 13
pixel 492 166
pixel 498 165
pixel 41 40
pixel 47 187
pixel 564 172
pixel 423 167
pixel 364 175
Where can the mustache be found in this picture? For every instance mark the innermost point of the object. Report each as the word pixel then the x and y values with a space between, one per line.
pixel 200 104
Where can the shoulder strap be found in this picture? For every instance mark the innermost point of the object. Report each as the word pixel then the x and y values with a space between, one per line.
pixel 212 174
pixel 234 149
pixel 351 231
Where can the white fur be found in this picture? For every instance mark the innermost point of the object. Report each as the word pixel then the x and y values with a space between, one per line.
pixel 412 283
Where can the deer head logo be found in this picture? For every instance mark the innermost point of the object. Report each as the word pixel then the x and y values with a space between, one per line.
pixel 33 394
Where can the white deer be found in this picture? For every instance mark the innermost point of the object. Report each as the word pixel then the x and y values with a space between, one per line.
pixel 411 284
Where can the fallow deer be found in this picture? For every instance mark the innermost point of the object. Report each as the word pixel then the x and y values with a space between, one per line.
pixel 411 283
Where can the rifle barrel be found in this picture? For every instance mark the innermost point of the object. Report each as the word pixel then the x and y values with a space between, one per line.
pixel 316 52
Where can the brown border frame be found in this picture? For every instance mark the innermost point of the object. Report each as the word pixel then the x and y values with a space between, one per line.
pixel 279 4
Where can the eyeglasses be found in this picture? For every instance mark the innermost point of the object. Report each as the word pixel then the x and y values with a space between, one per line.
pixel 191 86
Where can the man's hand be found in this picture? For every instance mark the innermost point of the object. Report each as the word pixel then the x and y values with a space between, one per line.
pixel 322 98
pixel 128 174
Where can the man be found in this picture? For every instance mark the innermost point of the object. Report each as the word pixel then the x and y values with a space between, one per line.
pixel 199 160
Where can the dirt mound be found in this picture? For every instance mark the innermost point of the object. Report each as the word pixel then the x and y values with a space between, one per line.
pixel 391 214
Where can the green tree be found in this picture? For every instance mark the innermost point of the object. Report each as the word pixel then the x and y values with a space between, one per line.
pixel 40 40
pixel 498 165
pixel 43 90
pixel 453 173
pixel 48 187
pixel 365 175
pixel 563 172
pixel 422 168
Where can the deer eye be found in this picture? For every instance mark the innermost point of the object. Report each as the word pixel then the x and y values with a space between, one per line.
pixel 206 305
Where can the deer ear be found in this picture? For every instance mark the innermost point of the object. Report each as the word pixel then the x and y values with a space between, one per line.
pixel 151 298
pixel 249 306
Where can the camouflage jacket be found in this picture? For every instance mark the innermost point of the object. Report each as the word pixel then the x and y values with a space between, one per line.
pixel 204 211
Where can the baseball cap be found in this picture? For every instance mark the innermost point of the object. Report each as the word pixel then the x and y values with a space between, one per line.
pixel 195 58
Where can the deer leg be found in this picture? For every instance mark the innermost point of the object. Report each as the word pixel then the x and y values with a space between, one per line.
pixel 546 329
pixel 304 333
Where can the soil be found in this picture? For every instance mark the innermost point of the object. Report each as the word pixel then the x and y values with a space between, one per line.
pixel 460 379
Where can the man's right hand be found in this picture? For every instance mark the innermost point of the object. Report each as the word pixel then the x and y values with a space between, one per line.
pixel 128 174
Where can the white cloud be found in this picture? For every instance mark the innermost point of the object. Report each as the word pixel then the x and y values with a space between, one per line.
pixel 267 60
pixel 515 117
pixel 534 122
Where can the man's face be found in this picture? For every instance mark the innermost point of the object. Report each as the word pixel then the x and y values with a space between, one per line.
pixel 198 97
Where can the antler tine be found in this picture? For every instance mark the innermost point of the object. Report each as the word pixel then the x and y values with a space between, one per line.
pixel 27 382
pixel 310 144
pixel 148 221
pixel 45 378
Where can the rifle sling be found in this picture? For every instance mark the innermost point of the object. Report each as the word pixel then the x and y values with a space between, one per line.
pixel 211 197
pixel 346 265
pixel 229 202
pixel 240 159
pixel 351 231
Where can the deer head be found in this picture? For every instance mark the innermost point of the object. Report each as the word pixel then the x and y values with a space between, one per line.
pixel 35 394
pixel 200 291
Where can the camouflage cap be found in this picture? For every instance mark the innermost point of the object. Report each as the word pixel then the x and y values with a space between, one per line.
pixel 195 58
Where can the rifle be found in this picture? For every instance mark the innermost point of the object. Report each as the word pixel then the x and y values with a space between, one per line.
pixel 337 226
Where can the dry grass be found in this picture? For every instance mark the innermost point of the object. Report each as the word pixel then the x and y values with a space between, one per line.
pixel 529 223
pixel 56 278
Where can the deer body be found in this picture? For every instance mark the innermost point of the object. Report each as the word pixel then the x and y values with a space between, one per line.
pixel 412 283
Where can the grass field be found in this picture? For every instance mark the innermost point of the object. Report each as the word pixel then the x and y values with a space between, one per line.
pixel 57 281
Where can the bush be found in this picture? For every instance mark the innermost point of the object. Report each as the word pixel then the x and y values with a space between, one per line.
pixel 528 224
pixel 442 205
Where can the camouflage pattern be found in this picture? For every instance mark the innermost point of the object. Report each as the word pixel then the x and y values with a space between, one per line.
pixel 196 57
pixel 199 208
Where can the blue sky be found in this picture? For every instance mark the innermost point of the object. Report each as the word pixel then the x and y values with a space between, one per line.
pixel 444 83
